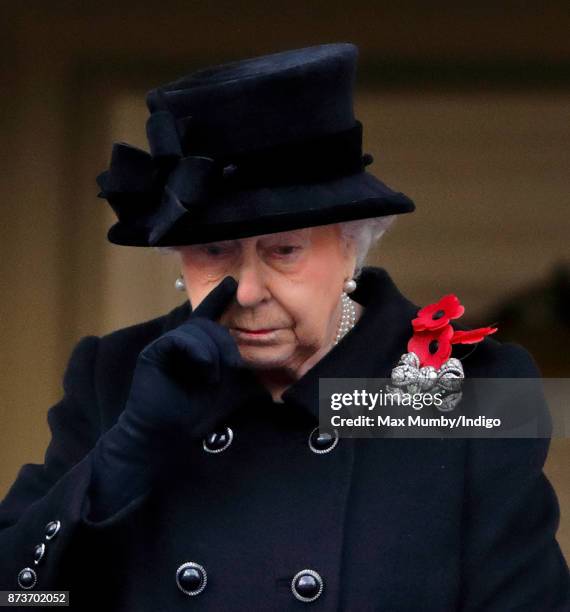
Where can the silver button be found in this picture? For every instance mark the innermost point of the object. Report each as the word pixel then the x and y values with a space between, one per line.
pixel 39 552
pixel 307 585
pixel 52 529
pixel 27 578
pixel 323 440
pixel 191 578
pixel 218 441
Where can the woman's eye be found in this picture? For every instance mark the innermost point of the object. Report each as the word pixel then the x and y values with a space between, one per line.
pixel 215 251
pixel 286 250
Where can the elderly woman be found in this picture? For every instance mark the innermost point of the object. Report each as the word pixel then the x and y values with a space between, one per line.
pixel 188 468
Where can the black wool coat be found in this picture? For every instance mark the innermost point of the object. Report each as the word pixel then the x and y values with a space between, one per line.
pixel 388 524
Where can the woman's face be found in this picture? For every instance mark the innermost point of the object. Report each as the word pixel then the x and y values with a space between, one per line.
pixel 289 283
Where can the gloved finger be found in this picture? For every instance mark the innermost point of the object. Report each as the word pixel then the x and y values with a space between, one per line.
pixel 214 304
pixel 184 352
pixel 226 344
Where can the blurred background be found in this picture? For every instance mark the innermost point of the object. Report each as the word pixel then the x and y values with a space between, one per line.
pixel 465 106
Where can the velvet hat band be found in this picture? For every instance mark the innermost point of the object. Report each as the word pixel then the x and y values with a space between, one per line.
pixel 171 185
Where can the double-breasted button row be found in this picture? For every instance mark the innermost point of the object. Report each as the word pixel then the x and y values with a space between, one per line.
pixel 321 440
pixel 27 577
pixel 307 585
pixel 191 578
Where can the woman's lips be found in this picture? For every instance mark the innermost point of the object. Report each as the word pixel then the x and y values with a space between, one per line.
pixel 259 335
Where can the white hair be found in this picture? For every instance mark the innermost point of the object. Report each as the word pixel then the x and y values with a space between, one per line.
pixel 363 233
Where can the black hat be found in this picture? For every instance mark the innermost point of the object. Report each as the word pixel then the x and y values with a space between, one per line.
pixel 265 144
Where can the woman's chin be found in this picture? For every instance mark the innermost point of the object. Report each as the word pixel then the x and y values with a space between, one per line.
pixel 264 357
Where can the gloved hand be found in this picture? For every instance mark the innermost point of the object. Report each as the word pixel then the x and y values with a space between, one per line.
pixel 185 381
pixel 185 384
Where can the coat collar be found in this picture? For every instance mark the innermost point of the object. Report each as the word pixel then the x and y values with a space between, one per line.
pixel 370 350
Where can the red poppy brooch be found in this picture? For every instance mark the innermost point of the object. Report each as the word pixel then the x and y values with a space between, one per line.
pixel 428 365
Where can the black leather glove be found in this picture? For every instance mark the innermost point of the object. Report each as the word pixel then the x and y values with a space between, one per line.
pixel 185 384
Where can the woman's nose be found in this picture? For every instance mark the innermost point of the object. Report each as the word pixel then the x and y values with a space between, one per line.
pixel 252 287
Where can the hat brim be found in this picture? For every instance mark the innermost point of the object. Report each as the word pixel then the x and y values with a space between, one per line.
pixel 266 210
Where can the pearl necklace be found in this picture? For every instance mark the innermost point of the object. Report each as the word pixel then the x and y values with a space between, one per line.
pixel 347 319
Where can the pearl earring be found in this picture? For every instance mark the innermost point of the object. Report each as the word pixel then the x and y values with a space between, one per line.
pixel 349 286
pixel 179 284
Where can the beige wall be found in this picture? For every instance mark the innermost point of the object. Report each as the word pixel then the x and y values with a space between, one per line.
pixel 486 166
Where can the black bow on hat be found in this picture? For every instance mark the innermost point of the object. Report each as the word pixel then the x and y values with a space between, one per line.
pixel 255 146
